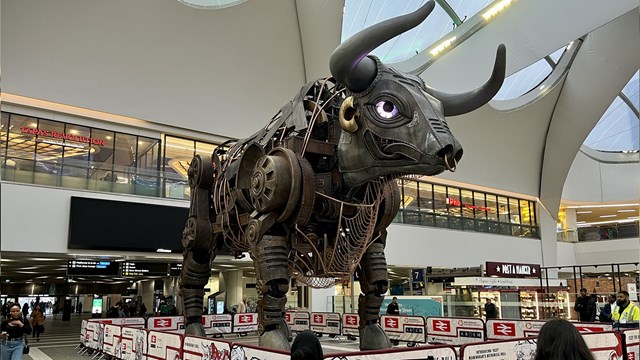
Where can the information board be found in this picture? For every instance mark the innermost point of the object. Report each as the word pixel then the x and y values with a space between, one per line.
pixel 175 269
pixel 92 268
pixel 134 268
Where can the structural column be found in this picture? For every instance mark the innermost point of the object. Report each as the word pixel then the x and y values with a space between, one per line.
pixel 232 283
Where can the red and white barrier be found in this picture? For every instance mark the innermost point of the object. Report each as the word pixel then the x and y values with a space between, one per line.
pixel 592 327
pixel 111 341
pixel 174 324
pixel 133 343
pixel 244 351
pixel 350 323
pixel 298 321
pixel 93 335
pixel 197 348
pixel 216 324
pixel 454 331
pixel 245 322
pixel 604 345
pixel 404 328
pixel 325 323
pixel 136 322
pixel 523 348
pixel 441 352
pixel 83 333
pixel 632 341
pixel 512 329
pixel 164 345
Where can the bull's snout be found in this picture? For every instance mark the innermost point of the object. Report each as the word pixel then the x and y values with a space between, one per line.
pixel 451 155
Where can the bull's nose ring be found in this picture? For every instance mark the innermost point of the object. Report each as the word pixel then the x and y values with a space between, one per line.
pixel 446 163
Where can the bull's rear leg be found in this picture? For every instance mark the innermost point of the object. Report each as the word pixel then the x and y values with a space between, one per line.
pixel 270 259
pixel 374 283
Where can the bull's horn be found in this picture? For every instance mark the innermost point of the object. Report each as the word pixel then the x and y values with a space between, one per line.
pixel 349 64
pixel 458 104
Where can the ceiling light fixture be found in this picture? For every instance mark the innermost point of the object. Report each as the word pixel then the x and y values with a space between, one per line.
pixel 495 9
pixel 442 46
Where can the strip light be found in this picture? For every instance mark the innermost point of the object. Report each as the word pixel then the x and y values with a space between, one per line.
pixel 442 46
pixel 495 9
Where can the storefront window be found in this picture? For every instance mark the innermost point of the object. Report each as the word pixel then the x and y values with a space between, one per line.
pixel 525 213
pixel 440 206
pixel 410 203
pixel 4 131
pixel 425 199
pixel 101 155
pixel 22 142
pixel 468 210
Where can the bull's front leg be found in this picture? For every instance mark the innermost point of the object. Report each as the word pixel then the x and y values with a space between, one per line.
pixel 271 261
pixel 374 284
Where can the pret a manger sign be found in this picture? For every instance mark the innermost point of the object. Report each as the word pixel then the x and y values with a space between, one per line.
pixel 501 269
pixel 61 135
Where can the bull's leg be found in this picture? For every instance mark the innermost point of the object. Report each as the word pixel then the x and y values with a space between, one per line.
pixel 270 258
pixel 374 283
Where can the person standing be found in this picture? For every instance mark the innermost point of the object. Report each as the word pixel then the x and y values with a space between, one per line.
pixel 608 309
pixel 14 330
pixel 393 308
pixel 25 310
pixel 627 314
pixel 585 306
pixel 242 307
pixel 490 310
pixel 37 319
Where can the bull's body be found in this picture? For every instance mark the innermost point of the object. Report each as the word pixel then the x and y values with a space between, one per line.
pixel 311 194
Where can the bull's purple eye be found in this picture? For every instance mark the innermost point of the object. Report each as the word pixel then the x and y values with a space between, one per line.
pixel 386 109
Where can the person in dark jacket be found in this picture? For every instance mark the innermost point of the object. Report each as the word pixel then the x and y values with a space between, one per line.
pixel 14 329
pixel 490 310
pixel 585 306
pixel 393 308
pixel 607 310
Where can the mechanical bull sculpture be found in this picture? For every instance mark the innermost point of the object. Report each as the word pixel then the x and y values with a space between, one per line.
pixel 311 194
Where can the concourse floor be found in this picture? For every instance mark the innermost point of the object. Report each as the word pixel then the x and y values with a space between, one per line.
pixel 61 337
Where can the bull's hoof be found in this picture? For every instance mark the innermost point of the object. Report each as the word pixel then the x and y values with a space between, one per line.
pixel 373 338
pixel 274 339
pixel 195 329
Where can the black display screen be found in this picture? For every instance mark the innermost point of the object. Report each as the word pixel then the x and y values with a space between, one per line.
pixel 92 268
pixel 98 224
pixel 175 269
pixel 134 268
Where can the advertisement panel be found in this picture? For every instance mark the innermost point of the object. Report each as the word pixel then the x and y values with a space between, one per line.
pixel 301 321
pixel 632 337
pixel 245 322
pixel 416 305
pixel 350 324
pixel 512 329
pixel 521 349
pixel 197 348
pixel 604 345
pixel 404 328
pixel 173 324
pixel 133 343
pixel 164 345
pixel 111 341
pixel 216 324
pixel 454 331
pixel 325 323
pixel 426 352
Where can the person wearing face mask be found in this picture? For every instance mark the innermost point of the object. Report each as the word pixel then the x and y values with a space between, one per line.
pixel 627 314
pixel 14 329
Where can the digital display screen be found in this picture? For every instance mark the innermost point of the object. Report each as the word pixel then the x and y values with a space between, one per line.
pixel 131 268
pixel 96 306
pixel 175 269
pixel 92 268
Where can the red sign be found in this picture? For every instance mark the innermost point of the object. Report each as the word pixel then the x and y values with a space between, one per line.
pixel 61 135
pixel 456 202
pixel 512 270
pixel 318 319
pixel 442 325
pixel 245 319
pixel 587 328
pixel 160 323
pixel 504 329
pixel 153 339
pixel 351 319
pixel 391 323
pixel 287 317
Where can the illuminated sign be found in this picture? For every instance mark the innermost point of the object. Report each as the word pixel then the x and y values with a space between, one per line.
pixel 131 268
pixel 61 135
pixel 501 269
pixel 456 202
pixel 92 267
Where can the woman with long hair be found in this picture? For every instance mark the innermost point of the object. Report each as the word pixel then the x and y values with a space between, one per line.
pixel 14 329
pixel 560 340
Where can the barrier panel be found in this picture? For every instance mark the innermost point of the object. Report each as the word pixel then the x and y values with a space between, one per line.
pixel 523 348
pixel 454 331
pixel 404 328
pixel 83 333
pixel 632 341
pixel 133 343
pixel 216 324
pixel 137 322
pixel 244 351
pixel 350 324
pixel 245 322
pixel 111 341
pixel 173 324
pixel 325 323
pixel 301 321
pixel 439 352
pixel 164 345
pixel 198 348
pixel 604 345
pixel 512 329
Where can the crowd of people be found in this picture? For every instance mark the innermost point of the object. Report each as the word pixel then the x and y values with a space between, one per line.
pixel 619 310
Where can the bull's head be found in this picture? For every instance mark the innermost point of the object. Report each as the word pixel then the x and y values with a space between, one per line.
pixel 393 123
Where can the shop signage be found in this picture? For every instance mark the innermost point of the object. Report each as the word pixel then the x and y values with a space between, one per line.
pixel 502 269
pixel 456 202
pixel 61 135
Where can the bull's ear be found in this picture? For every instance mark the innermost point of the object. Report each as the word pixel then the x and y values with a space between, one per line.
pixel 458 104
pixel 348 115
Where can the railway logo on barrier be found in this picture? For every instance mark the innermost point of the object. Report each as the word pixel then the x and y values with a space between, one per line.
pixel 442 325
pixel 351 319
pixel 318 319
pixel 505 329
pixel 391 322
pixel 160 323
pixel 246 319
